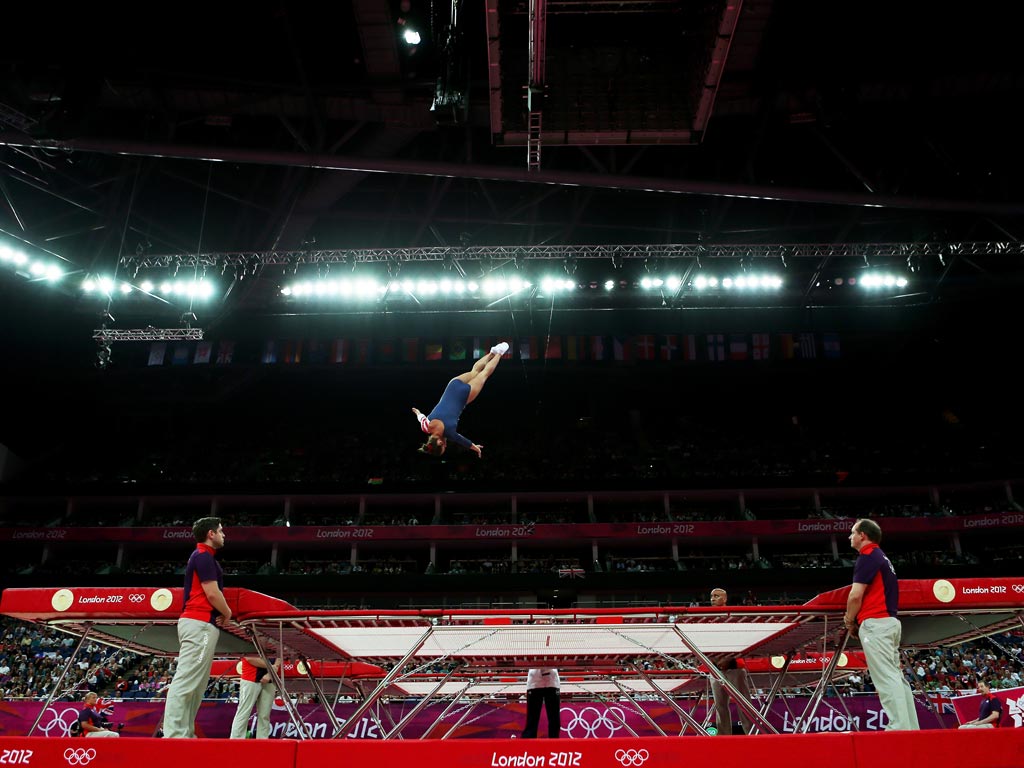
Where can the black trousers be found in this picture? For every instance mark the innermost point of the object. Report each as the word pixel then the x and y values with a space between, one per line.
pixel 549 698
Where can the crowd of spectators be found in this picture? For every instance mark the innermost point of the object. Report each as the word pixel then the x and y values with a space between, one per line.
pixel 32 658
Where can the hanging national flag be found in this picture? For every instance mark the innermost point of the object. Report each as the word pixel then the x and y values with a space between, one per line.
pixel 157 351
pixel 292 352
pixel 689 345
pixel 738 350
pixel 339 351
pixel 788 345
pixel 762 346
pixel 832 346
pixel 807 346
pixel 225 353
pixel 528 348
pixel 573 348
pixel 622 349
pixel 410 350
pixel 180 355
pixel 644 346
pixel 203 350
pixel 386 351
pixel 481 347
pixel 457 349
pixel 669 347
pixel 433 350
pixel 362 352
pixel 597 346
pixel 716 347
pixel 553 348
pixel 269 354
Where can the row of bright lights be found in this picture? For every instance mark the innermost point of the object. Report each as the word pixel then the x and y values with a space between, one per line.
pixel 739 282
pixel 365 288
pixel 200 289
pixel 38 269
pixel 878 280
pixel 368 288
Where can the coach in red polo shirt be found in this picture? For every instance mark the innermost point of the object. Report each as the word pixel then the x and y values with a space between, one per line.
pixel 989 712
pixel 871 616
pixel 205 610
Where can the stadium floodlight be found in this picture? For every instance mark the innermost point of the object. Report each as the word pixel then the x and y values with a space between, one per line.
pixel 146 286
pixel 609 285
pixel 124 288
pixel 727 283
pixel 674 282
pixel 874 280
pixel 701 282
pixel 412 37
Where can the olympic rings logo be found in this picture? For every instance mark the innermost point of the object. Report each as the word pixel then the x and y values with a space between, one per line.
pixel 1018 588
pixel 79 756
pixel 633 757
pixel 593 723
pixel 136 598
pixel 59 721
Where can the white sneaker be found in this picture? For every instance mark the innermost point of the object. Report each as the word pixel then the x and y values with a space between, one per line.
pixel 500 348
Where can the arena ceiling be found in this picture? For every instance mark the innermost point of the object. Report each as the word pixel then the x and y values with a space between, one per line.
pixel 293 139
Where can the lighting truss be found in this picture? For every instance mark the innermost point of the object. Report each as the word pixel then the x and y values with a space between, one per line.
pixel 148 334
pixel 253 260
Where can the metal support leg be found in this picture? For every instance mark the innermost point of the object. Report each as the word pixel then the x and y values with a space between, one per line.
pixel 668 699
pixel 741 701
pixel 419 707
pixel 449 708
pixel 319 693
pixel 639 709
pixel 819 691
pixel 63 674
pixel 382 686
pixel 776 686
pixel 289 705
pixel 462 719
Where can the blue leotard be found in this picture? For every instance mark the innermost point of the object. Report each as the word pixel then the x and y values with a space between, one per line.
pixel 449 408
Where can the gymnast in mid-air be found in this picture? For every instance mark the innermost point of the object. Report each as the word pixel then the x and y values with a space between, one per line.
pixel 440 424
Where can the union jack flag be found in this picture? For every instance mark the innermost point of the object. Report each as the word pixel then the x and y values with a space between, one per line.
pixel 941 704
pixel 103 707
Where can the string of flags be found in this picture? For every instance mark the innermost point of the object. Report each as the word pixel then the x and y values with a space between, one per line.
pixel 636 349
